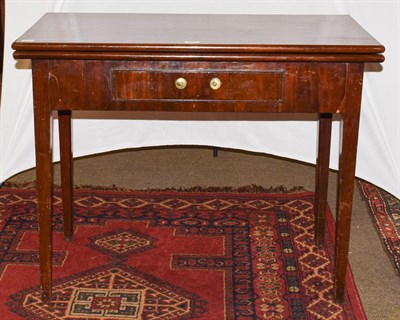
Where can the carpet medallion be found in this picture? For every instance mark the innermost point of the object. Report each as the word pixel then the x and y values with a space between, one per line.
pixel 172 255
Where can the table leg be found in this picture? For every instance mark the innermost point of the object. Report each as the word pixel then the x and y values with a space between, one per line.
pixel 66 167
pixel 43 145
pixel 348 150
pixel 322 176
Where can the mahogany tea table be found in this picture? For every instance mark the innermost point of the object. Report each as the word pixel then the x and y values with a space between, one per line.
pixel 198 63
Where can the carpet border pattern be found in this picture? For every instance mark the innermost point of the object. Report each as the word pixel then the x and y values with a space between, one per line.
pixel 384 210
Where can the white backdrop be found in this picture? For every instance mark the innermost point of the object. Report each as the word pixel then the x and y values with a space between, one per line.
pixel 378 158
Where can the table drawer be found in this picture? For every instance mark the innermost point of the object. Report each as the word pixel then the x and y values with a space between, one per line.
pixel 220 85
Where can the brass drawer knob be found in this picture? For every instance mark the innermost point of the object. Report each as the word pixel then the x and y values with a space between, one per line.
pixel 181 83
pixel 215 83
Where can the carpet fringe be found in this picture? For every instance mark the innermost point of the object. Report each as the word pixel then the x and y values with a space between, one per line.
pixel 253 188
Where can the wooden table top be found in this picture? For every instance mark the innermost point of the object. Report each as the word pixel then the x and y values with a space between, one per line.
pixel 198 33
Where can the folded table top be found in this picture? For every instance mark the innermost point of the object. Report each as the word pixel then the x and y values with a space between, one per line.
pixel 197 33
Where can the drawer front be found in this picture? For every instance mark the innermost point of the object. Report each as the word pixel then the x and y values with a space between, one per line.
pixel 201 85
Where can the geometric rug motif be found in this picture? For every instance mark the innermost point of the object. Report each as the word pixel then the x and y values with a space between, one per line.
pixel 217 256
pixel 384 211
pixel 122 242
pixel 110 292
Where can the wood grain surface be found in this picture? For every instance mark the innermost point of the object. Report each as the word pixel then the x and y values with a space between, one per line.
pixel 70 34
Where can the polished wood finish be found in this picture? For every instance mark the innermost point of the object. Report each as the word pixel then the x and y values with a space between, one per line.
pixel 322 175
pixel 153 84
pixel 292 64
pixel 347 165
pixel 246 87
pixel 43 144
pixel 65 134
pixel 197 33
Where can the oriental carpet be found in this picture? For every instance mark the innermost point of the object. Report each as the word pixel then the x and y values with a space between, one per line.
pixel 172 255
pixel 384 210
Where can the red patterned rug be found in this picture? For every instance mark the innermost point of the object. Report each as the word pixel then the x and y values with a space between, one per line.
pixel 172 255
pixel 384 210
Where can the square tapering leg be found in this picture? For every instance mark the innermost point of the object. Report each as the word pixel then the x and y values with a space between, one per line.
pixel 322 175
pixel 66 166
pixel 43 143
pixel 347 166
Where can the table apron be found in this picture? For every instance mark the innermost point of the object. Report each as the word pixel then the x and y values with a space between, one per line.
pixel 305 87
